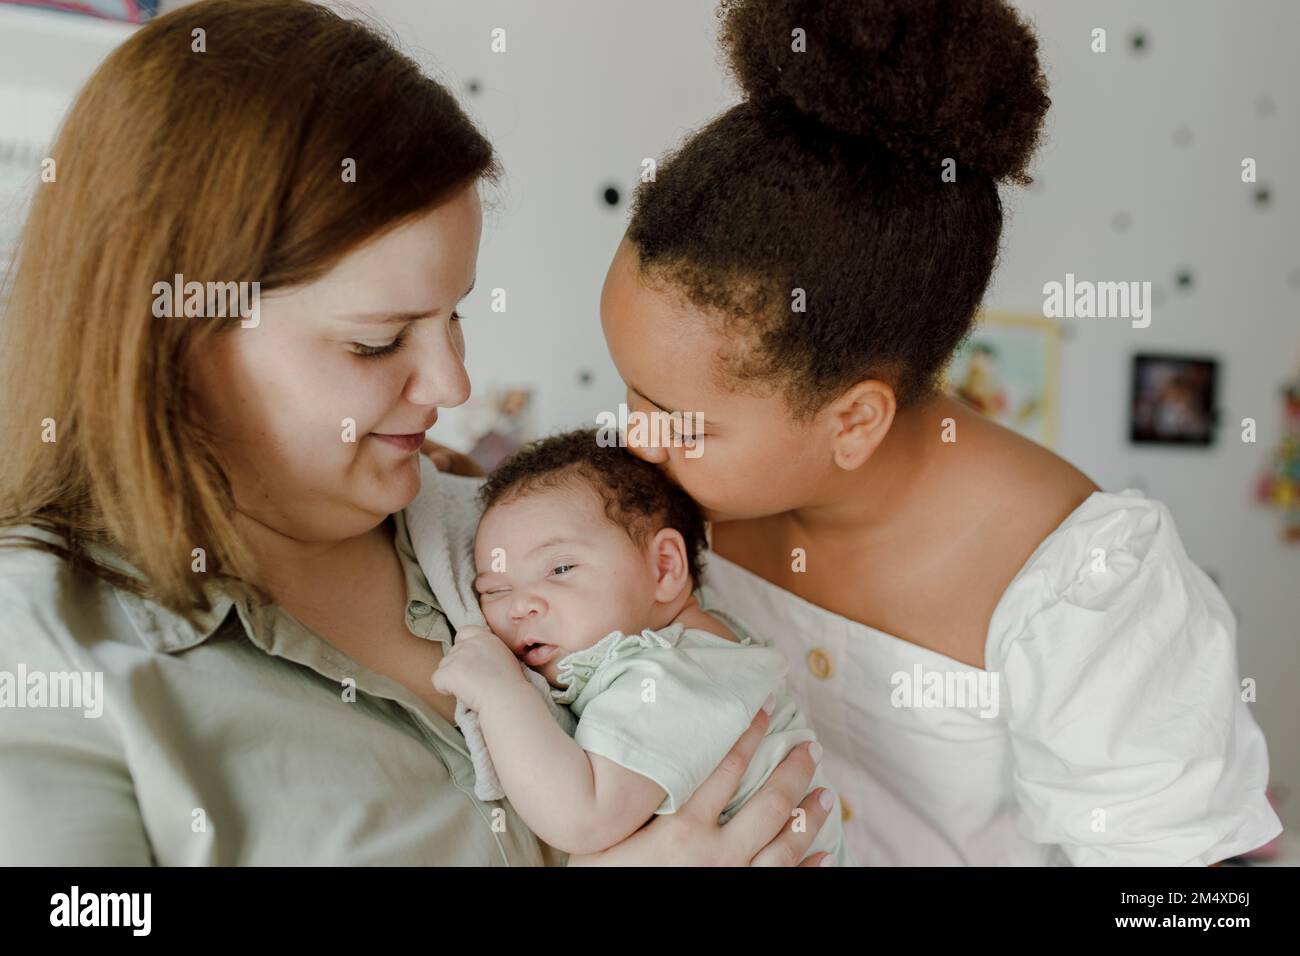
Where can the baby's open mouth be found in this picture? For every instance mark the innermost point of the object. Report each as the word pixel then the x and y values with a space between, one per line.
pixel 537 654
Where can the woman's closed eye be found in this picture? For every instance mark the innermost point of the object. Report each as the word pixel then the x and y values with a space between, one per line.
pixel 366 350
pixel 376 351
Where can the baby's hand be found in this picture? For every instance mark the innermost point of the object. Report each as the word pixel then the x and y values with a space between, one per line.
pixel 478 667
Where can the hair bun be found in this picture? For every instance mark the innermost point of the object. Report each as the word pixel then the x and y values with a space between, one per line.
pixel 924 79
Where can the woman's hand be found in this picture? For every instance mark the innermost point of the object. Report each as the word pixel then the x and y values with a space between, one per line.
pixel 760 834
pixel 450 460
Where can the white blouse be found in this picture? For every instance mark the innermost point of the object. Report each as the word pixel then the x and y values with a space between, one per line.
pixel 1108 726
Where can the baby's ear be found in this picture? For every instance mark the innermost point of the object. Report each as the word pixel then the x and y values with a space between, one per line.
pixel 672 571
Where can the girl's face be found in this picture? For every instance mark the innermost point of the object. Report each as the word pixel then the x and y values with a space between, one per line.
pixel 751 459
pixel 320 408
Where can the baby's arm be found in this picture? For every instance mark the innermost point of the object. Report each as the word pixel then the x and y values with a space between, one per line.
pixel 575 801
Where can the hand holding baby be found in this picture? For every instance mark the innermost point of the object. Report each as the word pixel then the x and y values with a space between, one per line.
pixel 478 668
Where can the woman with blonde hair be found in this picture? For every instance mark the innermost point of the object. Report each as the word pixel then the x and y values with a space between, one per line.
pixel 206 510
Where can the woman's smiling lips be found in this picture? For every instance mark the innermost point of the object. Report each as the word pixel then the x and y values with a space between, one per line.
pixel 407 443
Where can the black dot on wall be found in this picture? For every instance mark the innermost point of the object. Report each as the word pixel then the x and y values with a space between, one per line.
pixel 1184 279
pixel 1265 106
pixel 1263 196
pixel 1138 41
pixel 1121 221
pixel 1183 136
pixel 610 195
pixel 474 87
pixel 584 377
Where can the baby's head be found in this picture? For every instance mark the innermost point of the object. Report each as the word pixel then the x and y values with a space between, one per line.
pixel 578 540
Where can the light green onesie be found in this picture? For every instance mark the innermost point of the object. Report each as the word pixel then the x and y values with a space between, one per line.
pixel 669 704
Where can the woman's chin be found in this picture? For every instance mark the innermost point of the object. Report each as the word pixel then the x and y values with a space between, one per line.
pixel 396 486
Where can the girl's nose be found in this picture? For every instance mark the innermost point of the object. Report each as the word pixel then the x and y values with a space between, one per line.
pixel 640 441
pixel 654 454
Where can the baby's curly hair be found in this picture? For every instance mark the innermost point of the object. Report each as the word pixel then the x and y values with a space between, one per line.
pixel 828 178
pixel 637 495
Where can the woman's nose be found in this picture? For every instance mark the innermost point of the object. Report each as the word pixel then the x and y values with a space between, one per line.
pixel 438 376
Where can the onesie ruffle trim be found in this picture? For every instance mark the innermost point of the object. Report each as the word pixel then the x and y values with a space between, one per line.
pixel 575 670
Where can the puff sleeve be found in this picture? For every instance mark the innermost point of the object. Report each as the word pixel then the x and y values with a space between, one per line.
pixel 667 712
pixel 1130 739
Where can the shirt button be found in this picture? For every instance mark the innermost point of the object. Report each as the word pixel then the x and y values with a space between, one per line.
pixel 419 609
pixel 846 811
pixel 819 663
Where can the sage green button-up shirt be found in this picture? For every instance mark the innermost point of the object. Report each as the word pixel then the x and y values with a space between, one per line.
pixel 240 741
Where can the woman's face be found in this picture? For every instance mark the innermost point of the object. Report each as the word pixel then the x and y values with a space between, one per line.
pixel 751 459
pixel 320 408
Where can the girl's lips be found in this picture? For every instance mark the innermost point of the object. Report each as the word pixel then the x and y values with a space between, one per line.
pixel 539 655
pixel 407 443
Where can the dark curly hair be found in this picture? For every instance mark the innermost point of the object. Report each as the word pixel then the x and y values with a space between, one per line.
pixel 828 178
pixel 637 495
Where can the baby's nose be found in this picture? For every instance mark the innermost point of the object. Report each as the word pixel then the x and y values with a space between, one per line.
pixel 525 606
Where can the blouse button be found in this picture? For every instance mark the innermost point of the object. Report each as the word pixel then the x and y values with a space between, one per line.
pixel 420 609
pixel 846 811
pixel 819 663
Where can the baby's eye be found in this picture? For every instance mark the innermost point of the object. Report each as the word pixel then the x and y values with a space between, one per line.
pixel 562 568
pixel 495 592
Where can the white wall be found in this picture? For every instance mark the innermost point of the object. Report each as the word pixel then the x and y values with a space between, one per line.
pixel 588 88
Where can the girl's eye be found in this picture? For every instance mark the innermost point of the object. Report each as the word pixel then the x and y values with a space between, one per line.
pixel 456 316
pixel 561 568
pixel 679 432
pixel 375 351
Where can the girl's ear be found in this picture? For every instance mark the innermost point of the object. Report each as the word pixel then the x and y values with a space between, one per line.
pixel 859 421
pixel 672 571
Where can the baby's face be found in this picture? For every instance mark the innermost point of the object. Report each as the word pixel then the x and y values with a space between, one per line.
pixel 564 577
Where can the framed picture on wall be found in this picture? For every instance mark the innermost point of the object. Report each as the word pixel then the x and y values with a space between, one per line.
pixel 1174 400
pixel 1007 369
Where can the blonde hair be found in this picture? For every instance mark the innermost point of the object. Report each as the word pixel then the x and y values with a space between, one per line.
pixel 225 165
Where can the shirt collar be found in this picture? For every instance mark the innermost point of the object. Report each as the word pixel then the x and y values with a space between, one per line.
pixel 164 630
pixel 160 628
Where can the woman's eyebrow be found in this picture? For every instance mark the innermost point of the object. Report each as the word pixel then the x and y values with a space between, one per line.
pixel 386 317
pixel 662 408
pixel 407 316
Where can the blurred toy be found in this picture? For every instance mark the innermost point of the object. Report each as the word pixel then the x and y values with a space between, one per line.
pixel 1280 485
pixel 980 388
pixel 500 424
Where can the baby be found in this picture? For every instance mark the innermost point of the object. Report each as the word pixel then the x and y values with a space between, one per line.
pixel 588 562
